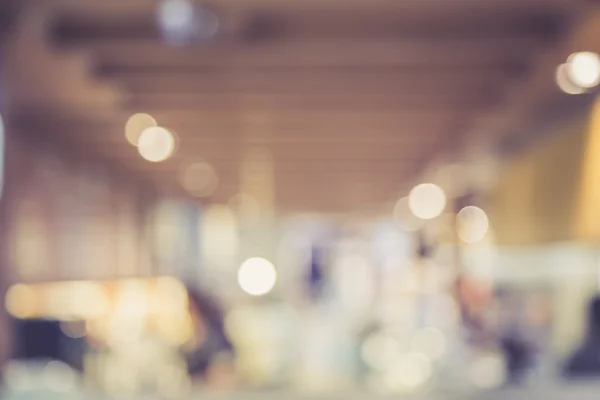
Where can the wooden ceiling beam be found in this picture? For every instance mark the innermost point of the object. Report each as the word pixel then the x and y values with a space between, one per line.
pixel 251 120
pixel 89 21
pixel 109 7
pixel 139 55
pixel 377 82
pixel 324 101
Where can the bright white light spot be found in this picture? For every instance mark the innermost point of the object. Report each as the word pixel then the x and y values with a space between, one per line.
pixel 565 83
pixel 584 69
pixel 427 201
pixel 380 350
pixel 156 144
pixel 199 179
pixel 429 341
pixel 257 276
pixel 472 224
pixel 136 124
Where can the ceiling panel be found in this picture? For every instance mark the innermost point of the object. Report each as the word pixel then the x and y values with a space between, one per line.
pixel 350 98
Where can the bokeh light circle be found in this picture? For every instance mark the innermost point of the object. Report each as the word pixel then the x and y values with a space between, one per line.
pixel 199 179
pixel 136 124
pixel 257 276
pixel 156 144
pixel 584 69
pixel 182 21
pixel 563 80
pixel 427 201
pixel 472 224
pixel 177 19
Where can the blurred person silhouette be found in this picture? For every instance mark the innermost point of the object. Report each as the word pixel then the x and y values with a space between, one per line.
pixel 585 361
pixel 316 275
pixel 209 354
pixel 515 338
pixel 518 354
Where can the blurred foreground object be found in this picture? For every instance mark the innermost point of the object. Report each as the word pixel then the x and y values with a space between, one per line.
pixel 209 353
pixel 585 362
pixel 127 336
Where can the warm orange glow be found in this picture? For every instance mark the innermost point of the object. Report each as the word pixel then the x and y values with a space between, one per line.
pixel 91 300
pixel 588 212
pixel 21 301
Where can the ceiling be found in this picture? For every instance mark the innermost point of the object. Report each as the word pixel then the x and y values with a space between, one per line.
pixel 352 98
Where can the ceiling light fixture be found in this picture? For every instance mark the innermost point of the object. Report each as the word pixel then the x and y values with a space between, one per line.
pixel 564 82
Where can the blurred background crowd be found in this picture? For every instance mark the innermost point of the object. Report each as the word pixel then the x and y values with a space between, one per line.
pixel 328 197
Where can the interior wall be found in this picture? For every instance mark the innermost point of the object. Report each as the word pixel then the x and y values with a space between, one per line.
pixel 536 200
pixel 551 192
